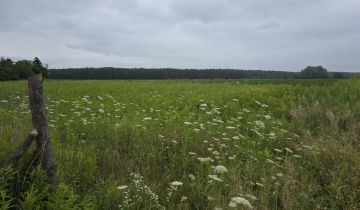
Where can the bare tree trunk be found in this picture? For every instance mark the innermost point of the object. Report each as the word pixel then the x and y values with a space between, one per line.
pixel 43 152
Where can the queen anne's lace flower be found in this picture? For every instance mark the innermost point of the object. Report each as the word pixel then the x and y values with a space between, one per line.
pixel 176 183
pixel 240 201
pixel 220 169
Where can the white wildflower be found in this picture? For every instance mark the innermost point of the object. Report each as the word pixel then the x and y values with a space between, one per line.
pixel 220 169
pixel 215 177
pixel 288 150
pixel 183 198
pixel 215 152
pixel 307 147
pixel 101 111
pixel 279 174
pixel 277 150
pixel 260 124
pixel 176 183
pixel 259 134
pixel 232 204
pixel 240 201
pixel 236 137
pixel 272 134
pixel 232 157
pixel 210 198
pixel 268 117
pixel 122 187
pixel 204 160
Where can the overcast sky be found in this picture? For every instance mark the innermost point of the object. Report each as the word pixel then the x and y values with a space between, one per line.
pixel 245 34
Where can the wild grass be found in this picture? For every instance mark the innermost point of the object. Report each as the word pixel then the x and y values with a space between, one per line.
pixel 189 145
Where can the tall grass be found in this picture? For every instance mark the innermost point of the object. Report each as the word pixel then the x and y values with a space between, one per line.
pixel 190 144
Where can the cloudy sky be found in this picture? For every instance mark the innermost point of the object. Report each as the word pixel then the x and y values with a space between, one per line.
pixel 246 34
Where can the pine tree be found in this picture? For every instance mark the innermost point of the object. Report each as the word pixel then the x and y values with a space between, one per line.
pixel 39 68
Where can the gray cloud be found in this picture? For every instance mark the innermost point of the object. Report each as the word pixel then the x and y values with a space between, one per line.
pixel 246 34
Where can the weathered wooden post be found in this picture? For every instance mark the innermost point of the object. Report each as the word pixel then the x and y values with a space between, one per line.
pixel 43 153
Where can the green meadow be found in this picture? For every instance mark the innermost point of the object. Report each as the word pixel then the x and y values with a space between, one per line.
pixel 188 144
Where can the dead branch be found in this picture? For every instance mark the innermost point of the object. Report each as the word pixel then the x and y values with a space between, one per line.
pixel 20 150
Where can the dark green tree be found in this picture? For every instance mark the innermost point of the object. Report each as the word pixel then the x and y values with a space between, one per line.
pixel 23 68
pixel 38 67
pixel 6 69
pixel 314 72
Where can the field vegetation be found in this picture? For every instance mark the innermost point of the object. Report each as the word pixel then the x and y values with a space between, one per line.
pixel 188 144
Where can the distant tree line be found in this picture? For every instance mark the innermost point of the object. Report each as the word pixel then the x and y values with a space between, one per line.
pixel 309 72
pixel 10 70
pixel 165 73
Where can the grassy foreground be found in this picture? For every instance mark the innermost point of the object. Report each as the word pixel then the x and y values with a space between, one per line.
pixel 189 145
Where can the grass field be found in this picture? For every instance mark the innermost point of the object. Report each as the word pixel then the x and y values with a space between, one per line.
pixel 189 145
